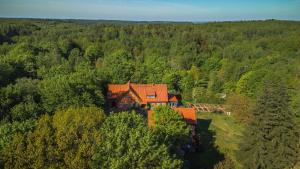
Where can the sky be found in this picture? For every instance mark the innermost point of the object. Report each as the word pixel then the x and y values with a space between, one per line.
pixel 153 10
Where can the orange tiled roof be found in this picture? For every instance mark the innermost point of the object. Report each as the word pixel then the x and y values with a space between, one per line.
pixel 160 91
pixel 173 98
pixel 189 115
pixel 115 90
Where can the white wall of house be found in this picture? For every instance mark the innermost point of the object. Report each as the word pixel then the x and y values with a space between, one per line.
pixel 173 104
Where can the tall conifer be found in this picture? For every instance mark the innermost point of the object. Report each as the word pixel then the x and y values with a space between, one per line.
pixel 271 140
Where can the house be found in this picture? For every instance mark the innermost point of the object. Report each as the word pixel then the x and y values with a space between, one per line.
pixel 143 97
pixel 131 95
pixel 121 97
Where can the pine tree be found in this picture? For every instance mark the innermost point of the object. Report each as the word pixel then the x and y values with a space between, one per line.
pixel 271 140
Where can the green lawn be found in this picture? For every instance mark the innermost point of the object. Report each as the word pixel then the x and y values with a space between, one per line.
pixel 220 136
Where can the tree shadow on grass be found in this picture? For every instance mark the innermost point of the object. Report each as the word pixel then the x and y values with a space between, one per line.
pixel 207 155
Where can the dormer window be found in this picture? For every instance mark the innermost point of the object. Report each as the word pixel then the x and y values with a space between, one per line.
pixel 150 93
pixel 151 96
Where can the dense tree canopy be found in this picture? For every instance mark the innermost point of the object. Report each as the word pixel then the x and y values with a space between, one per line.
pixel 170 126
pixel 216 57
pixel 75 89
pixel 65 140
pixel 47 66
pixel 126 142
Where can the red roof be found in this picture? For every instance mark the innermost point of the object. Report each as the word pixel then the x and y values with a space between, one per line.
pixel 173 98
pixel 189 115
pixel 115 90
pixel 150 92
pixel 160 91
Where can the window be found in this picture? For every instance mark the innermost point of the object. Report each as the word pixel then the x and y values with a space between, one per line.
pixel 151 96
pixel 173 104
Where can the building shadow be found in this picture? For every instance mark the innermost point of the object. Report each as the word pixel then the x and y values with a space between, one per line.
pixel 207 155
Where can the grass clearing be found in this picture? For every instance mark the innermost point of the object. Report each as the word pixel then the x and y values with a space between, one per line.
pixel 220 136
pixel 227 132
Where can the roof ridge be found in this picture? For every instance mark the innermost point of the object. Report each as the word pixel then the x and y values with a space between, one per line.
pixel 135 93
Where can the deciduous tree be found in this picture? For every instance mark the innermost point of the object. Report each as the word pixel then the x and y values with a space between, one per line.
pixel 126 142
pixel 170 127
pixel 66 140
pixel 240 106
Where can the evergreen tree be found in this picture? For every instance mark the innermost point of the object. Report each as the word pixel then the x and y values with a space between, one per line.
pixel 271 141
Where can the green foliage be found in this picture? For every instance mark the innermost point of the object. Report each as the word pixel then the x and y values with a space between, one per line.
pixel 195 73
pixel 220 136
pixel 250 83
pixel 60 69
pixel 93 52
pixel 126 142
pixel 199 94
pixel 76 127
pixel 46 65
pixel 66 140
pixel 172 79
pixel 156 67
pixel 214 87
pixel 6 73
pixel 75 57
pixel 22 58
pixel 170 126
pixel 20 101
pixel 227 163
pixel 212 64
pixel 240 107
pixel 75 89
pixel 186 85
pixel 8 130
pixel 220 54
pixel 65 45
pixel 272 140
pixel 118 67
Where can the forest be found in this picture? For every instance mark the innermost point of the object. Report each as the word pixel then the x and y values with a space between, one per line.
pixel 54 75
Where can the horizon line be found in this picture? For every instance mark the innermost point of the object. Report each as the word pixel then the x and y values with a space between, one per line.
pixel 124 20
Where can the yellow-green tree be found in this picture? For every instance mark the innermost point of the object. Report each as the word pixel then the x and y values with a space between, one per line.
pixel 241 107
pixel 66 140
